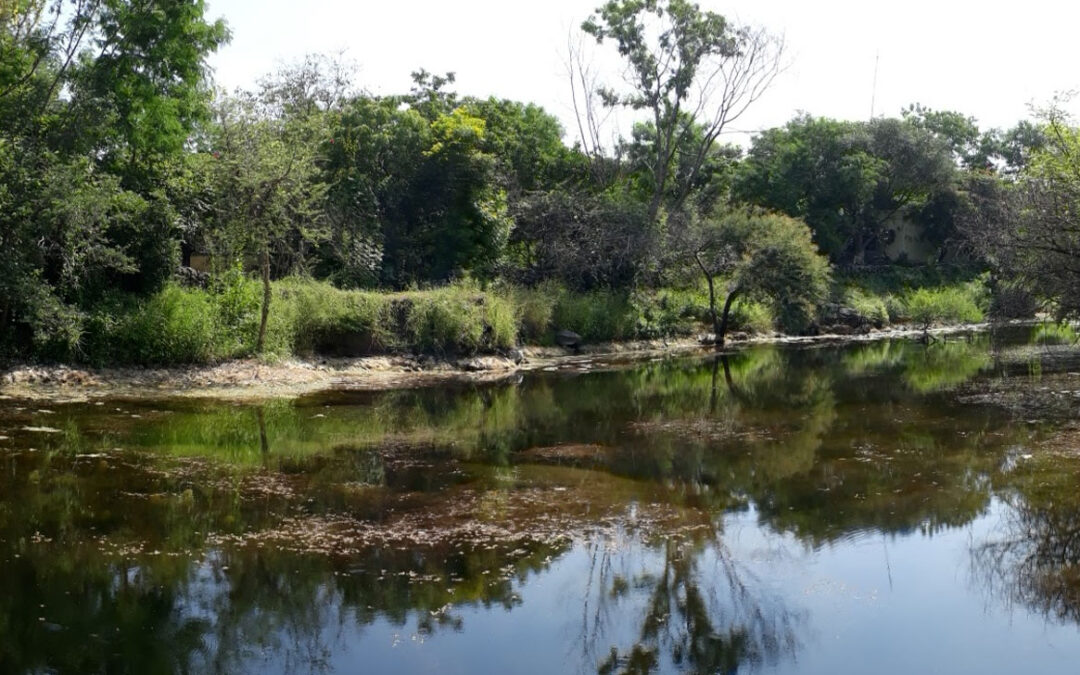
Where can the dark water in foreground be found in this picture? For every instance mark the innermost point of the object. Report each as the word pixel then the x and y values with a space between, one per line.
pixel 884 507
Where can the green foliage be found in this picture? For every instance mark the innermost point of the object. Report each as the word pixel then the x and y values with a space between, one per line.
pixel 597 315
pixel 751 316
pixel 175 325
pixel 321 318
pixel 96 102
pixel 764 257
pixel 413 199
pixel 849 180
pixel 113 168
pixel 871 307
pixel 927 306
pixel 535 308
pixel 692 71
pixel 525 141
pixel 884 293
pixel 1048 333
pixel 1026 228
pixel 455 320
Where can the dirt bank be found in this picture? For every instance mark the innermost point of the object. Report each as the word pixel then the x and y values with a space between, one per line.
pixel 254 379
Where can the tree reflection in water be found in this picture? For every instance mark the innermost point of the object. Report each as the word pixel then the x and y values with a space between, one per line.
pixel 703 613
pixel 167 533
pixel 1033 559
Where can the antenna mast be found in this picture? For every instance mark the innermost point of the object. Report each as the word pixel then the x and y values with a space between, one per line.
pixel 873 90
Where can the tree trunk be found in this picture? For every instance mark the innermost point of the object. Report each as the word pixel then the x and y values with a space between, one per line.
pixel 712 296
pixel 722 331
pixel 261 342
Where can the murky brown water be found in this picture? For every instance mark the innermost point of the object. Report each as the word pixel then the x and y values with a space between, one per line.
pixel 884 507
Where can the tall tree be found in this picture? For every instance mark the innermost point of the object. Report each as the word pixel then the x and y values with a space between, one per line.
pixel 267 192
pixel 692 72
pixel 848 180
pixel 1028 228
pixel 97 98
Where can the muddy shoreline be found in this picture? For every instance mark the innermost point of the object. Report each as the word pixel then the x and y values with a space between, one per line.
pixel 252 379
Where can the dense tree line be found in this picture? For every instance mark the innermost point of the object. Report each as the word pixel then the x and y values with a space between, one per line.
pixel 118 162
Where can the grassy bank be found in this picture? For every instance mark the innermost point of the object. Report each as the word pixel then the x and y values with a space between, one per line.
pixel 181 325
pixel 920 296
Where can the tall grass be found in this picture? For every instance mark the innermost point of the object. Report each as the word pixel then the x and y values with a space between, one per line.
pixel 179 325
pixel 921 296
pixel 927 306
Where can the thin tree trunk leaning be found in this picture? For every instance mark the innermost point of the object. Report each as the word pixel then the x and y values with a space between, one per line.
pixel 724 319
pixel 712 296
pixel 261 342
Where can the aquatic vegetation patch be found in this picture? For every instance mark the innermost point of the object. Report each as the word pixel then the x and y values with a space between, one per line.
pixel 468 518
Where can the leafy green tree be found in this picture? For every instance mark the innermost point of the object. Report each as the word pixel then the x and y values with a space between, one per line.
pixel 369 168
pixel 97 98
pixel 466 217
pixel 419 195
pixel 849 180
pixel 1028 228
pixel 267 193
pixel 526 143
pixel 959 131
pixel 144 86
pixel 995 150
pixel 761 256
pixel 699 182
pixel 692 72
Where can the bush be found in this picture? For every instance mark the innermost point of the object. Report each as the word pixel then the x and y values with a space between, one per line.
pixel 751 317
pixel 175 325
pixel 1054 334
pixel 871 307
pixel 927 306
pixel 535 311
pixel 315 317
pixel 596 316
pixel 455 320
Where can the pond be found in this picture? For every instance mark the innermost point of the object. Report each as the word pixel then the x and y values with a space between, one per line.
pixel 886 507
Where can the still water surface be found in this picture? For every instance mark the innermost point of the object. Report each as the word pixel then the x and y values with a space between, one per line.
pixel 884 507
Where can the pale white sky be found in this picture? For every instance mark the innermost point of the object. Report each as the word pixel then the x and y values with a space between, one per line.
pixel 984 59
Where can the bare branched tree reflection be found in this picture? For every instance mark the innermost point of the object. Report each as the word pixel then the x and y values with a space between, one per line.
pixel 1035 559
pixel 703 614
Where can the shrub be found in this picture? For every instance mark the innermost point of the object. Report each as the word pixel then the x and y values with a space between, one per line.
pixel 535 311
pixel 751 317
pixel 1054 334
pixel 871 307
pixel 175 325
pixel 238 301
pixel 596 316
pixel 455 320
pixel 926 306
pixel 317 317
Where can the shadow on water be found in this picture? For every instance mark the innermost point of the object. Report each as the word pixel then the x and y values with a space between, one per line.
pixel 187 536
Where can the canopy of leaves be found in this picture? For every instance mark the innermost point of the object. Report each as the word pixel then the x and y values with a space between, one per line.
pixel 765 256
pixel 848 180
pixel 97 98
pixel 1029 228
